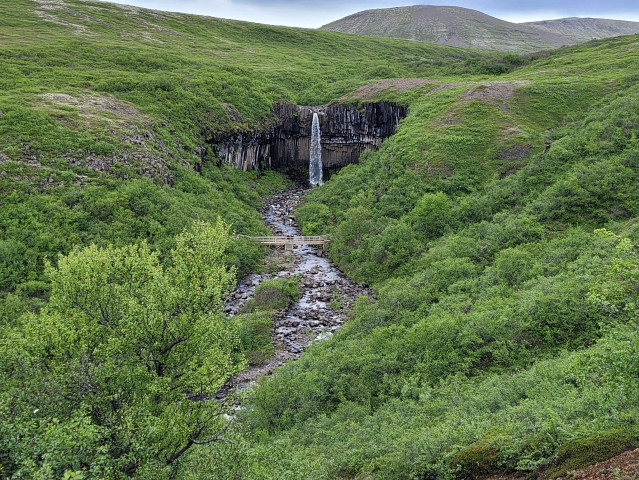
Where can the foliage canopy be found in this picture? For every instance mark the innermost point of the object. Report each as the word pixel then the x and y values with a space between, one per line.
pixel 110 377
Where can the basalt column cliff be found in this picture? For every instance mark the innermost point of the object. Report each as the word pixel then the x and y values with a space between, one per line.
pixel 346 130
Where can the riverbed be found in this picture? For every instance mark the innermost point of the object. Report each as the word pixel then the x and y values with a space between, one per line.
pixel 327 295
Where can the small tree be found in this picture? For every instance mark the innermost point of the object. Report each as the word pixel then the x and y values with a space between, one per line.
pixel 432 215
pixel 122 356
pixel 618 293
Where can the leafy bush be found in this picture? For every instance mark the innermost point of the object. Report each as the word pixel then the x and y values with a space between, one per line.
pixel 431 217
pixel 479 459
pixel 106 379
pixel 276 293
pixel 254 333
pixel 322 218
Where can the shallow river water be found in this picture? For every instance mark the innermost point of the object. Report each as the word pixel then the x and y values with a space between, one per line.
pixel 327 294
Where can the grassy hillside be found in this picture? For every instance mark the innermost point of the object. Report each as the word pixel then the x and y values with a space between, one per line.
pixel 105 117
pixel 504 333
pixel 106 111
pixel 462 27
pixel 504 336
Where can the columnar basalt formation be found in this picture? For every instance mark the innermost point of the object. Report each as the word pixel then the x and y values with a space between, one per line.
pixel 347 130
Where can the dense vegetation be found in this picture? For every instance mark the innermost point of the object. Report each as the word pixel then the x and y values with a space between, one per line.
pixel 497 227
pixel 106 112
pixel 106 118
pixel 495 344
pixel 118 355
pixel 483 352
pixel 505 332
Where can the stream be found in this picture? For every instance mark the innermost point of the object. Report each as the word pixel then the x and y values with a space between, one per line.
pixel 327 295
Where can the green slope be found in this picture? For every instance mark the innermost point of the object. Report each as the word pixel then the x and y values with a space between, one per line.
pixel 105 114
pixel 106 110
pixel 181 74
pixel 491 347
pixel 504 336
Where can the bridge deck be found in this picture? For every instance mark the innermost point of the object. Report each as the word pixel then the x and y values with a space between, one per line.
pixel 290 240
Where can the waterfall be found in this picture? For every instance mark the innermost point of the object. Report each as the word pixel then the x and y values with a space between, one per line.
pixel 315 164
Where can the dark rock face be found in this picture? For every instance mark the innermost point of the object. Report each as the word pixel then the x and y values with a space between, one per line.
pixel 347 130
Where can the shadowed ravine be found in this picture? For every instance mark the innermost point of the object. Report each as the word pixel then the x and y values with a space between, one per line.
pixel 312 317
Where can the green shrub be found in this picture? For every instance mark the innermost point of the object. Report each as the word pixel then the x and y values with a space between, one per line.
pixel 254 332
pixel 317 218
pixel 479 459
pixel 277 293
pixel 133 340
pixel 431 217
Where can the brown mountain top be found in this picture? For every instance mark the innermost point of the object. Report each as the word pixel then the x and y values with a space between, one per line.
pixel 463 27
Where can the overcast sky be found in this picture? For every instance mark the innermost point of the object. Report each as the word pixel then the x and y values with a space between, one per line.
pixel 312 14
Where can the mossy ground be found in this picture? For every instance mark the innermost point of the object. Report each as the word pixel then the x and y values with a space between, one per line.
pixel 581 452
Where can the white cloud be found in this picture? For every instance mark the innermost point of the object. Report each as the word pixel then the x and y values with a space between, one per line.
pixel 278 14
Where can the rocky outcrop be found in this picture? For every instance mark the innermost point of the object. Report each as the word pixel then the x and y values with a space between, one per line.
pixel 347 130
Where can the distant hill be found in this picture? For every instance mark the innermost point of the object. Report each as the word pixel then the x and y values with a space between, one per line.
pixel 463 27
pixel 584 29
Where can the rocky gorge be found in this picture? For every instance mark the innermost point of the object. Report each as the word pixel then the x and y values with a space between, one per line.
pixel 326 294
pixel 346 131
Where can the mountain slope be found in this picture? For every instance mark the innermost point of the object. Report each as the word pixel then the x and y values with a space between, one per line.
pixel 108 118
pixel 490 347
pixel 464 27
pixel 94 94
pixel 584 29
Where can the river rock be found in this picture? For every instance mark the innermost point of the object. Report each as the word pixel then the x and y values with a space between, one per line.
pixel 292 325
pixel 295 347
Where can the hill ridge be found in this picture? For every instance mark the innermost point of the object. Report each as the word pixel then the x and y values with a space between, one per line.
pixel 465 27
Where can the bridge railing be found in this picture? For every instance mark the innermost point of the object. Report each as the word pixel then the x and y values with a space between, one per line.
pixel 289 239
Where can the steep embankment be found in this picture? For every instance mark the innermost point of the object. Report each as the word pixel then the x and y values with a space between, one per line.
pixel 463 27
pixel 504 335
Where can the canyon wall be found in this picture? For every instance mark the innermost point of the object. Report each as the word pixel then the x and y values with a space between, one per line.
pixel 347 130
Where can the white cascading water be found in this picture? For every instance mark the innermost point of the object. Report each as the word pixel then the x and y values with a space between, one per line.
pixel 315 164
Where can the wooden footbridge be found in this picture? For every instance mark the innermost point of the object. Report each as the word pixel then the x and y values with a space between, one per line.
pixel 289 240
